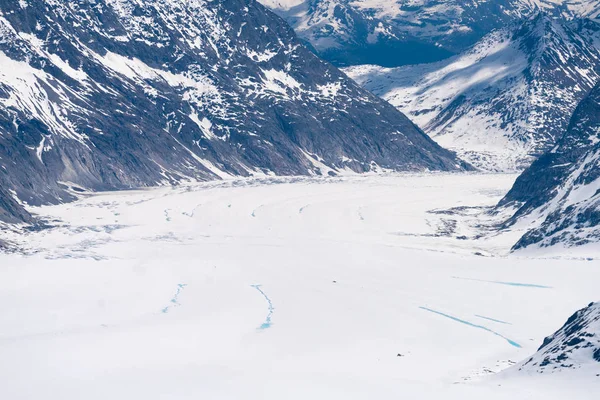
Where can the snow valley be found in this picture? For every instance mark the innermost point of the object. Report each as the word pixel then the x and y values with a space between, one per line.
pixel 196 203
pixel 351 287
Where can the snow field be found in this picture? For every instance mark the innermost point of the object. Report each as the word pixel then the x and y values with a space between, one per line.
pixel 282 288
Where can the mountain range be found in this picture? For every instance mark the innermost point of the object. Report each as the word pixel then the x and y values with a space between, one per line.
pixel 525 96
pixel 117 94
pixel 392 33
pixel 120 94
pixel 504 101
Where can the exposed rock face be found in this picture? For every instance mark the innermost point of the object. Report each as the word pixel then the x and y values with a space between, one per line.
pixel 11 210
pixel 561 190
pixel 114 94
pixel 575 345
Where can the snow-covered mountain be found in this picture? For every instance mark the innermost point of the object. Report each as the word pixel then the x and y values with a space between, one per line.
pixel 504 101
pixel 399 32
pixel 576 345
pixel 566 8
pixel 116 94
pixel 560 193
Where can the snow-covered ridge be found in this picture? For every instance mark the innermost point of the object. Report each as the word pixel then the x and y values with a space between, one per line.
pixel 352 32
pixel 502 102
pixel 574 346
pixel 558 196
pixel 567 8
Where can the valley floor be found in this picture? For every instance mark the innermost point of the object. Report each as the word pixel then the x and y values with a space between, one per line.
pixel 357 287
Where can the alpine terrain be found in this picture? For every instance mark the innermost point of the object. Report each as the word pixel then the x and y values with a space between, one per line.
pixel 506 100
pixel 560 192
pixel 115 94
pixel 576 345
pixel 196 203
pixel 391 33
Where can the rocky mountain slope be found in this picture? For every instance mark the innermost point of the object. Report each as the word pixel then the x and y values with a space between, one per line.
pixel 114 94
pixel 391 33
pixel 576 345
pixel 504 101
pixel 560 193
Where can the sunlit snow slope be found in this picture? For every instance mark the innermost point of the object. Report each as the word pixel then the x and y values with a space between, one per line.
pixel 355 288
pixel 506 100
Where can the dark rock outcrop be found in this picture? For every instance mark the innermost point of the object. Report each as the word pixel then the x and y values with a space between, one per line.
pixel 573 346
pixel 561 190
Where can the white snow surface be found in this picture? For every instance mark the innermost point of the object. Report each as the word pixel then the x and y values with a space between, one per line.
pixel 286 288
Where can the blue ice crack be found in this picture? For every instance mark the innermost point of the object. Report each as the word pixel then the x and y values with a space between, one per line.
pixel 462 321
pixel 531 285
pixel 267 324
pixel 175 299
pixel 492 319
